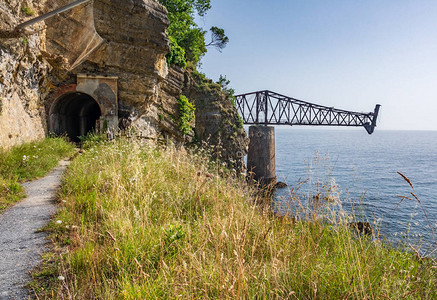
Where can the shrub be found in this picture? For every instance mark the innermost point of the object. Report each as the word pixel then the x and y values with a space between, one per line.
pixel 186 111
pixel 176 56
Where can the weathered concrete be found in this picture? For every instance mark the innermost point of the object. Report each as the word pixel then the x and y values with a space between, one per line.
pixel 76 40
pixel 94 42
pixel 21 245
pixel 261 155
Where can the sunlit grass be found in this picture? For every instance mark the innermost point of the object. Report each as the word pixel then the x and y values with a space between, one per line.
pixel 27 162
pixel 141 222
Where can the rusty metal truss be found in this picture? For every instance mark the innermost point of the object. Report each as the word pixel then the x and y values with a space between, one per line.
pixel 269 108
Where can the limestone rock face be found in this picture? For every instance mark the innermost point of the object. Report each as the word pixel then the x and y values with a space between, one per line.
pixel 121 39
pixel 126 39
pixel 23 77
pixel 167 106
pixel 217 120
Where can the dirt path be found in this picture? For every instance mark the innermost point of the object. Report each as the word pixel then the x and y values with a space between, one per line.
pixel 21 245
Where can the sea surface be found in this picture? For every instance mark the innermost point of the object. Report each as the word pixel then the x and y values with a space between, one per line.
pixel 361 172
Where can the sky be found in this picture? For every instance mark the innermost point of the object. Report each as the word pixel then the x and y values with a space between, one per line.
pixel 350 54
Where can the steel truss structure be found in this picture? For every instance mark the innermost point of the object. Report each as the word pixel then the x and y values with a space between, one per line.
pixel 269 108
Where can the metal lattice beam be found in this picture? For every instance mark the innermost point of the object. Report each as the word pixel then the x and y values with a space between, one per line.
pixel 269 108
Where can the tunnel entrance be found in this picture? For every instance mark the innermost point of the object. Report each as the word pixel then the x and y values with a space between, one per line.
pixel 74 114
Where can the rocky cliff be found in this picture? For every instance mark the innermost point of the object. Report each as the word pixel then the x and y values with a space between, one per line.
pixel 123 41
pixel 217 122
pixel 133 48
pixel 23 76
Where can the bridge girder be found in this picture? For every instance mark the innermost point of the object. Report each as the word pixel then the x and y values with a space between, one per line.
pixel 270 108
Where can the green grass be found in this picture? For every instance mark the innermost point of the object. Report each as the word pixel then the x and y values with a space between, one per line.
pixel 27 162
pixel 140 222
pixel 28 11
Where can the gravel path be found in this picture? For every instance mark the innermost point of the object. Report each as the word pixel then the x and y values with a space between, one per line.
pixel 21 245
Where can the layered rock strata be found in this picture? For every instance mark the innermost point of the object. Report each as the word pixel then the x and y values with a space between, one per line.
pixel 23 77
pixel 124 41
pixel 217 121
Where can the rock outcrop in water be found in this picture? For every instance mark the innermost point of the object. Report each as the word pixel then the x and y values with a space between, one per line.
pixel 114 46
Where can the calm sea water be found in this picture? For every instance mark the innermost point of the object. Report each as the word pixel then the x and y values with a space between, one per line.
pixel 364 167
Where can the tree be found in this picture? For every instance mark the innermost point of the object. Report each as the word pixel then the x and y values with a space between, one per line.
pixel 186 34
pixel 218 38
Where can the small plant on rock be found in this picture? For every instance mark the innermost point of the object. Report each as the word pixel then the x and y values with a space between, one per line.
pixel 186 109
pixel 28 11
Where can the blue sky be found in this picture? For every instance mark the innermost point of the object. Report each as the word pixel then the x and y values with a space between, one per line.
pixel 347 54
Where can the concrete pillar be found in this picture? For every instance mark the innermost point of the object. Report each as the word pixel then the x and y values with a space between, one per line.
pixel 261 154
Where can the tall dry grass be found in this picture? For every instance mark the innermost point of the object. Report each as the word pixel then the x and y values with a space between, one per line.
pixel 141 222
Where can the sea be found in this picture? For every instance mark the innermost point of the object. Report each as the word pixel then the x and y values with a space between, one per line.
pixel 388 179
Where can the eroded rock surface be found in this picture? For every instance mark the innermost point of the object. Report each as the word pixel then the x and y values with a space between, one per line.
pixel 133 49
pixel 23 77
pixel 125 39
pixel 217 121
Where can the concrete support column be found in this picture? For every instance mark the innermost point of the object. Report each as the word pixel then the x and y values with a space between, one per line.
pixel 261 154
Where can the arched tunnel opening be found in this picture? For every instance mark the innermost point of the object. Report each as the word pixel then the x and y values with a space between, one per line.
pixel 75 115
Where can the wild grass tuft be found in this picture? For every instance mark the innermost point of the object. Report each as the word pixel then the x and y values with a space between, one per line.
pixel 27 162
pixel 153 223
pixel 28 11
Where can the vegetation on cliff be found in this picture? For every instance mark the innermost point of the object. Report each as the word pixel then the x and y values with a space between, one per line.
pixel 186 109
pixel 142 222
pixel 186 35
pixel 26 162
pixel 216 121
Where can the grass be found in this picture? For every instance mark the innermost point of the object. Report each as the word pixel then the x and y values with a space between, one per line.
pixel 27 162
pixel 139 222
pixel 28 11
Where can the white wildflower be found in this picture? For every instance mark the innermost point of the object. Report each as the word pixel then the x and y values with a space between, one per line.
pixel 60 277
pixel 58 222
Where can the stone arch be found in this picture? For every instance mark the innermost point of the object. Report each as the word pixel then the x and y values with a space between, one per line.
pixel 74 114
pixel 74 109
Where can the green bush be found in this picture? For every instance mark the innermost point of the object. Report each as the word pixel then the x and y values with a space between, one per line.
pixel 184 32
pixel 186 111
pixel 176 56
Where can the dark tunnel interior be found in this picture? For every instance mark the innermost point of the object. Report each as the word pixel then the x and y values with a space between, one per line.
pixel 75 115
